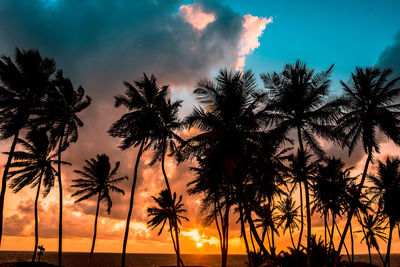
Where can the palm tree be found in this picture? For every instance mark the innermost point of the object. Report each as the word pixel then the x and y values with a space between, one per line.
pixel 372 228
pixel 300 170
pixel 386 189
pixel 165 142
pixel 98 179
pixel 167 210
pixel 227 121
pixel 297 102
pixel 33 167
pixel 368 107
pixel 138 126
pixel 59 115
pixel 288 217
pixel 330 190
pixel 22 87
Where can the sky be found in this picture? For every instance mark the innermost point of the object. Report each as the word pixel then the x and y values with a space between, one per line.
pixel 100 44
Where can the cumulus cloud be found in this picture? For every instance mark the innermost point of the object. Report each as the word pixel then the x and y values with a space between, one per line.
pixel 253 28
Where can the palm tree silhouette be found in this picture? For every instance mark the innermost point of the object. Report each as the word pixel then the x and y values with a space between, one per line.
pixel 138 126
pixel 33 167
pixel 368 107
pixel 372 228
pixel 330 184
pixel 22 87
pixel 58 114
pixel 227 123
pixel 300 170
pixel 165 142
pixel 98 179
pixel 288 217
pixel 386 190
pixel 167 210
pixel 297 102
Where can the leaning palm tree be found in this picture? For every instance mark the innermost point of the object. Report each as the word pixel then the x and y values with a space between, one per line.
pixel 138 126
pixel 386 190
pixel 369 107
pixel 298 102
pixel 34 167
pixel 22 86
pixel 288 217
pixel 59 115
pixel 373 229
pixel 165 143
pixel 98 180
pixel 168 210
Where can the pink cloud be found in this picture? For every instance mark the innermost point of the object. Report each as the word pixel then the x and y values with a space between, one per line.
pixel 195 15
pixel 253 28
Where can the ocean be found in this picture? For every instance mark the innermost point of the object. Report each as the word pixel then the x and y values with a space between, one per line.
pixel 74 259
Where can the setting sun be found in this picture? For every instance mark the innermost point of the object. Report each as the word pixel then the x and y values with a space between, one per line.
pixel 199 244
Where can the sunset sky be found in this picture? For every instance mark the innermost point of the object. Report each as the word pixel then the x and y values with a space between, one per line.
pixel 99 44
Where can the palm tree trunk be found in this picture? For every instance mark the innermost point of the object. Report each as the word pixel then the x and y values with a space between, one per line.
pixel 95 226
pixel 291 239
pixel 308 213
pixel 325 228
pixel 352 245
pixel 60 203
pixel 217 224
pixel 36 218
pixel 253 229
pixel 225 233
pixel 352 209
pixel 301 215
pixel 366 239
pixel 331 243
pixel 347 251
pixel 387 259
pixel 243 229
pixel 175 221
pixel 128 220
pixel 4 182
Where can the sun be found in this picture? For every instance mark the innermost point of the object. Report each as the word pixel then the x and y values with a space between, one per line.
pixel 199 244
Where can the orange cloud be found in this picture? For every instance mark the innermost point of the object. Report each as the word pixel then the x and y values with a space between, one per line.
pixel 195 15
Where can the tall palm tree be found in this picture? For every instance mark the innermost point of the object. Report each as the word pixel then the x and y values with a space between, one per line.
pixel 98 179
pixel 138 126
pixel 329 189
pixel 373 229
pixel 227 120
pixel 386 189
pixel 300 171
pixel 167 210
pixel 33 167
pixel 369 108
pixel 298 102
pixel 59 115
pixel 165 142
pixel 22 86
pixel 288 217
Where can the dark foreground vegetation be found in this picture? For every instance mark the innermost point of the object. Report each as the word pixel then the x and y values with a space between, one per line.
pixel 256 155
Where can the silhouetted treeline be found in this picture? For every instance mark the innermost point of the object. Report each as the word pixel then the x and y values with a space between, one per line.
pixel 256 155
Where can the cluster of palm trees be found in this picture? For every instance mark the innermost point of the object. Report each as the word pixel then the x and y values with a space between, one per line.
pixel 242 150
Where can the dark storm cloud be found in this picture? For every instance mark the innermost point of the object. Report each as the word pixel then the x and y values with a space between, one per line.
pixel 101 43
pixel 390 57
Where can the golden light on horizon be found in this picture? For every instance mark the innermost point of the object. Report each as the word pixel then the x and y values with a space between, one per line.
pixel 199 244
